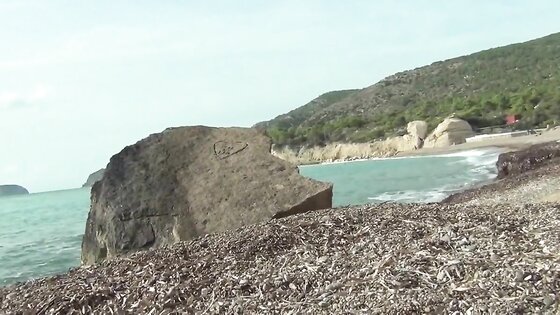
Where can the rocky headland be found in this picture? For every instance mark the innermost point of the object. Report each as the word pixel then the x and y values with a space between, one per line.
pixel 451 131
pixel 94 177
pixel 10 190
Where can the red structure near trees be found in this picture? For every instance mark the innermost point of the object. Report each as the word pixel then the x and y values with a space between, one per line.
pixel 512 119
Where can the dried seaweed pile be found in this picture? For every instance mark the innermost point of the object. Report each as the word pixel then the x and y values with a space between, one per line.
pixel 360 260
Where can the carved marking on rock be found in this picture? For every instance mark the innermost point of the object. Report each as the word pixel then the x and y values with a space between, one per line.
pixel 225 149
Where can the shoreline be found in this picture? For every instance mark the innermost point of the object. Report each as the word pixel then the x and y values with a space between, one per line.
pixel 540 183
pixel 502 144
pixel 489 149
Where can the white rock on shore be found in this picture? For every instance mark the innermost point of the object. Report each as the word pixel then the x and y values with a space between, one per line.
pixel 451 131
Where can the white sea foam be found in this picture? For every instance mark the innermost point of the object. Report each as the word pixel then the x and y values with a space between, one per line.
pixel 482 168
pixel 471 155
pixel 411 196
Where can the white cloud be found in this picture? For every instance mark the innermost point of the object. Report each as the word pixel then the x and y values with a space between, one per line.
pixel 14 99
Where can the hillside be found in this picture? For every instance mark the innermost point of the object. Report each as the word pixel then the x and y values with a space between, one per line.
pixel 93 177
pixel 483 87
pixel 10 190
pixel 297 116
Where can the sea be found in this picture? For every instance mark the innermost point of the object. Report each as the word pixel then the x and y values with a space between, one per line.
pixel 41 234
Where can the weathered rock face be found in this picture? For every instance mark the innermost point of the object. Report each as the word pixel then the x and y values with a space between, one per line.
pixel 450 132
pixel 10 190
pixel 411 141
pixel 189 181
pixel 94 177
pixel 518 162
pixel 417 128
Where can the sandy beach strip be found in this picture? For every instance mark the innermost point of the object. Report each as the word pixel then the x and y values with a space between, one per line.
pixel 505 144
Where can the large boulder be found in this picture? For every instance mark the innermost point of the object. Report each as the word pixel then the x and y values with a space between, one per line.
pixel 10 190
pixel 404 143
pixel 518 162
pixel 94 177
pixel 417 128
pixel 189 181
pixel 450 132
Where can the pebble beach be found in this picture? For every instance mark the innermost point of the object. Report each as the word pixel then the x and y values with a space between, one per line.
pixel 387 259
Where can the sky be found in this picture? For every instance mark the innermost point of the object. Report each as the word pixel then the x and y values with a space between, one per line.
pixel 80 80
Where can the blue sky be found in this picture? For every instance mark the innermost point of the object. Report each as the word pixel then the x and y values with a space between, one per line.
pixel 79 80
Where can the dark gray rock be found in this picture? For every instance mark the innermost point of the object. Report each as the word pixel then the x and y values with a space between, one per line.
pixel 94 177
pixel 190 181
pixel 10 190
pixel 518 162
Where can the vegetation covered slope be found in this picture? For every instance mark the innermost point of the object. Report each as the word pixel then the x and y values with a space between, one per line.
pixel 297 116
pixel 521 79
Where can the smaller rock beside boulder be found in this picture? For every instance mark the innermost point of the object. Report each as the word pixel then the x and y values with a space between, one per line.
pixel 94 177
pixel 10 190
pixel 518 162
pixel 451 131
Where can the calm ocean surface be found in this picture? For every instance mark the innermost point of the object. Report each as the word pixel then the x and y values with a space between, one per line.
pixel 411 179
pixel 41 234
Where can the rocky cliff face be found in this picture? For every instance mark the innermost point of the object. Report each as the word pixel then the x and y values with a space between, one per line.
pixel 518 162
pixel 189 181
pixel 345 151
pixel 413 140
pixel 94 177
pixel 9 190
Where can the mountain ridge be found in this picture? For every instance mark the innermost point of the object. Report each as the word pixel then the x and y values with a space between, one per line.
pixel 481 87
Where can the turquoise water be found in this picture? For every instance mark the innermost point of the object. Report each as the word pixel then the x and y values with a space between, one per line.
pixel 41 234
pixel 412 179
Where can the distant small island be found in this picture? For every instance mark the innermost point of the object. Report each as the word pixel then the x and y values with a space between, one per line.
pixel 10 190
pixel 92 178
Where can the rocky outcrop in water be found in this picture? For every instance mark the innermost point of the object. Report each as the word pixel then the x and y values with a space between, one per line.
pixel 10 190
pixel 190 181
pixel 517 162
pixel 94 177
pixel 450 132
